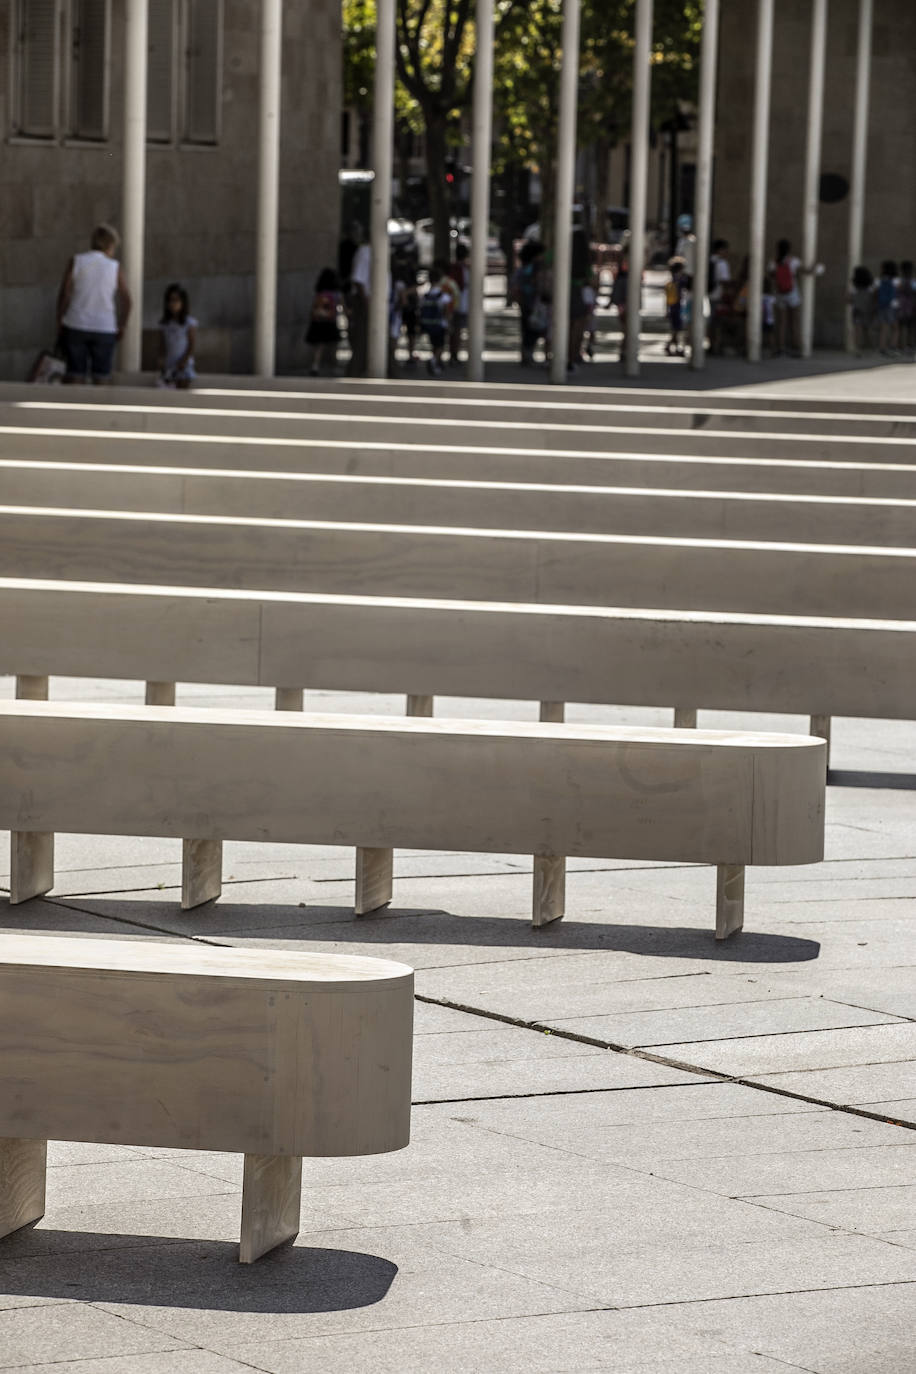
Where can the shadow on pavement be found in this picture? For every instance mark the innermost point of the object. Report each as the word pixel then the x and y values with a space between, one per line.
pixel 847 777
pixel 424 926
pixel 151 1272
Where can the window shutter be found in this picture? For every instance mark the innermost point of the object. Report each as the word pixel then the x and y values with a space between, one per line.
pixel 202 94
pixel 159 78
pixel 90 75
pixel 37 114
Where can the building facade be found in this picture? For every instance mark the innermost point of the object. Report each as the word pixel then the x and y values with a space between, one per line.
pixel 61 140
pixel 890 189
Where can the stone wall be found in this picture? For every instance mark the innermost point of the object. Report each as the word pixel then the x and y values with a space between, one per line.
pixel 890 213
pixel 201 200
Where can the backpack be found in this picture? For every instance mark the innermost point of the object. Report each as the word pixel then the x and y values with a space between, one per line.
pixel 784 277
pixel 886 292
pixel 906 300
pixel 324 307
pixel 672 292
pixel 432 309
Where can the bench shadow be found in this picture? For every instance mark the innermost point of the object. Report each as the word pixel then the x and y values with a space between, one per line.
pixel 427 926
pixel 848 777
pixel 151 1271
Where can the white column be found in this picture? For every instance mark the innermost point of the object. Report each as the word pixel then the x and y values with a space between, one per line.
pixel 639 163
pixel 481 138
pixel 859 141
pixel 813 168
pixel 706 122
pixel 382 158
pixel 565 190
pixel 133 194
pixel 759 163
pixel 265 327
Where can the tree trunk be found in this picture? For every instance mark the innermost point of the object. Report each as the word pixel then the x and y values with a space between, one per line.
pixel 602 188
pixel 437 189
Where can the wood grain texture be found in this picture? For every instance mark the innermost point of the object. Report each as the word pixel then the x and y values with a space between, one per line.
pixel 726 661
pixel 729 900
pixel 271 1196
pixel 549 898
pixel 31 864
pixel 374 879
pixel 23 1171
pixel 698 797
pixel 201 872
pixel 192 1047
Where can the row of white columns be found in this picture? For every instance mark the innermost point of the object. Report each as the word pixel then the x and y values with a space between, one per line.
pixel 133 185
pixel 134 175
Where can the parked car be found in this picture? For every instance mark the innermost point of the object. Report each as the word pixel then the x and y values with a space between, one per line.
pixel 459 232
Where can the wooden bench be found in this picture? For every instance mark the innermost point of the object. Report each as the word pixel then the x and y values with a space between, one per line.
pixel 843 475
pixel 690 796
pixel 434 501
pixel 274 1055
pixel 503 565
pixel 423 648
pixel 436 428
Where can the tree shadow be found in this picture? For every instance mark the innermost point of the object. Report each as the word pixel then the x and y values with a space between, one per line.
pixel 151 1271
pixel 322 925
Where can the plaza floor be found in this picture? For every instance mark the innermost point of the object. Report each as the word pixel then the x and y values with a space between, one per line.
pixel 633 1149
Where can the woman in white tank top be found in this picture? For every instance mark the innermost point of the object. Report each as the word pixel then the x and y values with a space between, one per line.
pixel 92 308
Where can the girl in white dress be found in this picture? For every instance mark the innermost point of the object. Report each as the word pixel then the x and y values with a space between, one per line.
pixel 178 331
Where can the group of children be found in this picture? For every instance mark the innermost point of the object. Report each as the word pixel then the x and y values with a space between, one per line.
pixel 889 303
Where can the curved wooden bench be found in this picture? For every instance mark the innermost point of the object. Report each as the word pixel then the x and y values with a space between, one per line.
pixel 842 475
pixel 194 1047
pixel 684 796
pixel 500 565
pixel 433 501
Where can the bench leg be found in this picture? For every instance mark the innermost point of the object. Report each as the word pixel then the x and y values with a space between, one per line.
pixel 729 899
pixel 685 718
pixel 288 699
pixel 374 879
pixel 420 706
pixel 552 712
pixel 23 1167
pixel 31 864
pixel 31 688
pixel 549 902
pixel 160 694
pixel 820 727
pixel 201 872
pixel 271 1192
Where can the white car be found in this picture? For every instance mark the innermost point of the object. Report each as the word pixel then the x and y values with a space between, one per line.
pixel 460 232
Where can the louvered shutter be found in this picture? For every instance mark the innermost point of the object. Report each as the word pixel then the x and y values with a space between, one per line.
pixel 202 72
pixel 37 104
pixel 160 68
pixel 90 69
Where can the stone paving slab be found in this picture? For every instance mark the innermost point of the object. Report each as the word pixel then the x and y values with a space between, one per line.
pixel 64 1330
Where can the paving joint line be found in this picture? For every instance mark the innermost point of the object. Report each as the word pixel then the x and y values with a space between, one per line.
pixel 543 1029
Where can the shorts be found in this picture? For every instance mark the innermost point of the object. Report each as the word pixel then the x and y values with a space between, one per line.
pixel 436 335
pixel 459 321
pixel 887 314
pixel 675 318
pixel 788 300
pixel 89 352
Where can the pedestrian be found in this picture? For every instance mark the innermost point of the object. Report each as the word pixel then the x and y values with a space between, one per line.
pixel 886 304
pixel 435 306
pixel 686 248
pixel 767 315
pixel 785 269
pixel 358 308
pixel 460 274
pixel 674 301
pixel 718 289
pixel 177 339
pixel 323 333
pixel 580 279
pixel 862 303
pixel 528 290
pixel 397 296
pixel 906 308
pixel 93 306
pixel 619 297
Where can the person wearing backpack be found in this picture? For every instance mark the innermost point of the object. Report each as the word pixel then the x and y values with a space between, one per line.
pixel 434 316
pixel 886 305
pixel 784 271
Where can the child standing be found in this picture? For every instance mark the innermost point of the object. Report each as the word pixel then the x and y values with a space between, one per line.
pixel 674 300
pixel 886 302
pixel 178 336
pixel 323 333
pixel 862 301
pixel 434 317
